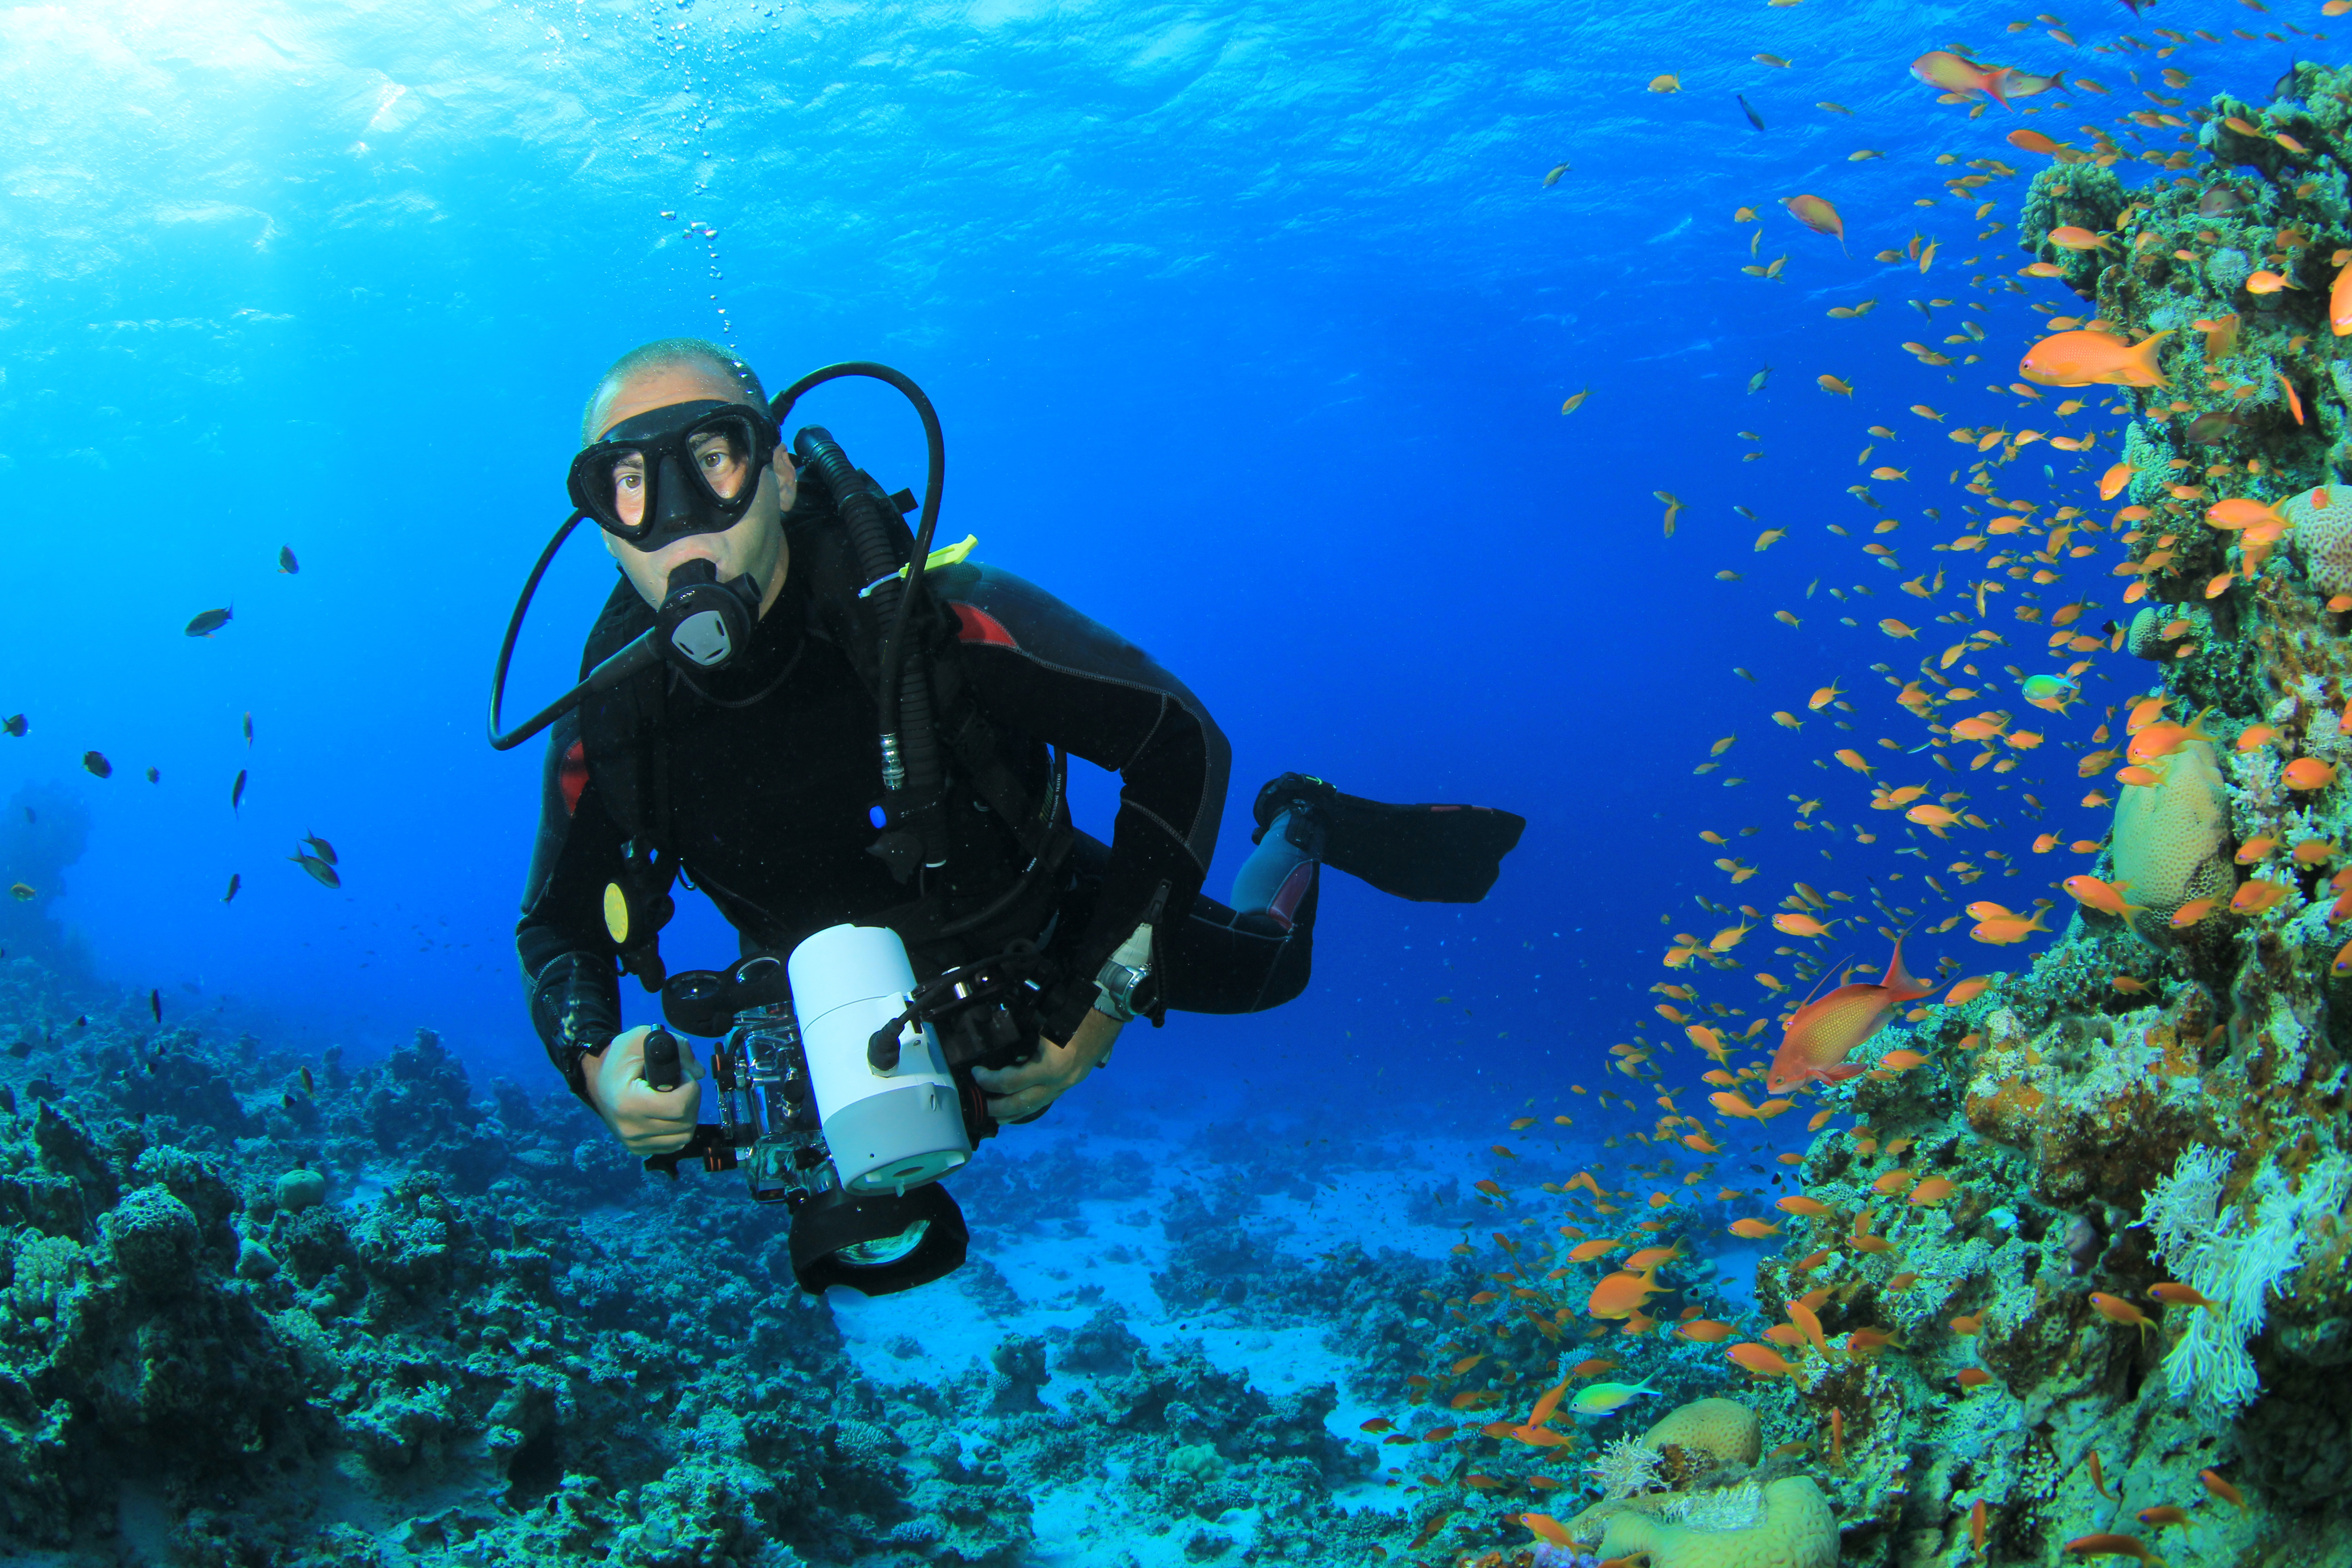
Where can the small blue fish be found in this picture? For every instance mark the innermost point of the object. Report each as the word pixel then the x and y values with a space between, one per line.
pixel 209 622
pixel 286 561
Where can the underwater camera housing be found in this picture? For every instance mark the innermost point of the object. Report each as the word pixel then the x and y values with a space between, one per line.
pixel 844 1094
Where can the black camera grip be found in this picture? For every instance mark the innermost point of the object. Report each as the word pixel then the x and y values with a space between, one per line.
pixel 661 1073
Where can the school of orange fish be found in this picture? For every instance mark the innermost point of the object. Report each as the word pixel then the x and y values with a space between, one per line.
pixel 1607 1264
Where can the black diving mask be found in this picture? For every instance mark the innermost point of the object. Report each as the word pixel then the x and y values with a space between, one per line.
pixel 687 468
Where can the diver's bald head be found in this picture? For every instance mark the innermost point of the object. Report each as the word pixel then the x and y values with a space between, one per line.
pixel 672 362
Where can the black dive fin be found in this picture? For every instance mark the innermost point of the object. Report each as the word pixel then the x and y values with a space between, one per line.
pixel 1428 853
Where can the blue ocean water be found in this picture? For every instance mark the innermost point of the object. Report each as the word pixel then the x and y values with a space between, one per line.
pixel 1250 326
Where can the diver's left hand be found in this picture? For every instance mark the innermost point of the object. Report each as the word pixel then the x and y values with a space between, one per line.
pixel 1016 1094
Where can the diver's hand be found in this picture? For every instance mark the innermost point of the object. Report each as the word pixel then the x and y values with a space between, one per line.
pixel 1016 1094
pixel 645 1122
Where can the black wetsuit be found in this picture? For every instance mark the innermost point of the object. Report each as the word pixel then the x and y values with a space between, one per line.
pixel 767 775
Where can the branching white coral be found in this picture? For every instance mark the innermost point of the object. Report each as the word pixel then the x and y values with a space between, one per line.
pixel 1732 1508
pixel 1625 1466
pixel 2232 1260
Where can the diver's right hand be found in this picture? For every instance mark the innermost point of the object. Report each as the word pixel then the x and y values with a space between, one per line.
pixel 645 1121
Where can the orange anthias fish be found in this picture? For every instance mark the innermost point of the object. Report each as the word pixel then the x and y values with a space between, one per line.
pixel 1621 1295
pixel 2112 1546
pixel 1761 1360
pixel 2163 738
pixel 2108 898
pixel 2115 1309
pixel 1814 1046
pixel 2176 1295
pixel 1816 214
pixel 1943 68
pixel 2004 929
pixel 2085 358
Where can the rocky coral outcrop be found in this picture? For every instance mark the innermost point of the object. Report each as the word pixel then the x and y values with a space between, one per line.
pixel 2172 839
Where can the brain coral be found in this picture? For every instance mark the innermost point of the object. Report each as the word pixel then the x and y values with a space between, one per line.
pixel 2172 838
pixel 155 1239
pixel 1797 1530
pixel 2323 537
pixel 1723 1427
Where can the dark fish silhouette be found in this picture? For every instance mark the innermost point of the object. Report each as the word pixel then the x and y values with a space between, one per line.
pixel 155 775
pixel 96 763
pixel 1749 109
pixel 22 893
pixel 208 623
pixel 15 724
pixel 237 791
pixel 29 816
pixel 81 1020
pixel 1756 382
pixel 320 872
pixel 286 561
pixel 248 729
pixel 2284 86
pixel 155 1005
pixel 326 851
pixel 233 883
pixel 308 1087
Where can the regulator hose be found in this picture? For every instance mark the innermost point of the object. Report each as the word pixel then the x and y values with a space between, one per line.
pixel 910 758
pixel 622 664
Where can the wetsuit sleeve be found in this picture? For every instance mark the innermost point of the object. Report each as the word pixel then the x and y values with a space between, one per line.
pixel 569 967
pixel 1036 663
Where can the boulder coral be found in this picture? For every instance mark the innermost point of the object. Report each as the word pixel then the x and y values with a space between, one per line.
pixel 2172 838
pixel 2321 537
pixel 1779 1524
pixel 1785 1523
pixel 1724 1431
pixel 1722 1512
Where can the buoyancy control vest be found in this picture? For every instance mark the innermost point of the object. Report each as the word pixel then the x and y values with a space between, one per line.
pixel 966 900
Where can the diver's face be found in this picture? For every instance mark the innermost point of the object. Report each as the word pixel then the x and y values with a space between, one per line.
pixel 754 545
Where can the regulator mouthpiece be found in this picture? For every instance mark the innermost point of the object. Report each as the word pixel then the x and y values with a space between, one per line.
pixel 704 623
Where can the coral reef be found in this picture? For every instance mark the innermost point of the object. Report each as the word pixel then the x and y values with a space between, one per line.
pixel 370 1316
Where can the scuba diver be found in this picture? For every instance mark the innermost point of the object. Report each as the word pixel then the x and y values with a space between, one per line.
pixel 773 620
